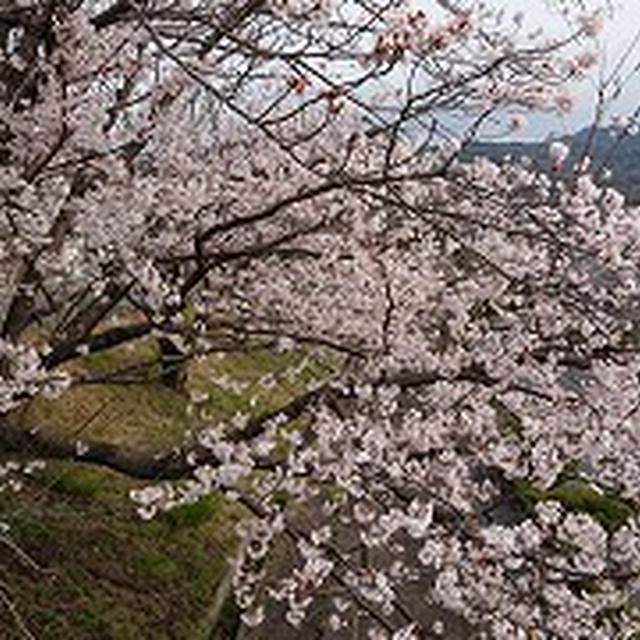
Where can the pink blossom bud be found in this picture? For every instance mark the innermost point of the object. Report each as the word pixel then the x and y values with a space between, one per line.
pixel 591 24
pixel 517 122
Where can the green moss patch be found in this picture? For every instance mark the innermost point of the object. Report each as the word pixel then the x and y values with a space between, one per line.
pixel 106 573
pixel 195 514
pixel 608 509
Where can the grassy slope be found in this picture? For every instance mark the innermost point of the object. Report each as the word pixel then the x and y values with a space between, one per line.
pixel 109 575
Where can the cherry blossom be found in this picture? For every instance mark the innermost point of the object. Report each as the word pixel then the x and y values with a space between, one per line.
pixel 221 176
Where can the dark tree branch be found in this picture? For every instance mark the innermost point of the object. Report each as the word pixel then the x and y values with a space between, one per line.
pixel 68 350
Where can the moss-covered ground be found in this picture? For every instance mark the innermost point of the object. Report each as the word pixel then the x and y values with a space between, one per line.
pixel 102 572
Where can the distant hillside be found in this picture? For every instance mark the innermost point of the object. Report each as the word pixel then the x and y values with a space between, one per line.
pixel 622 157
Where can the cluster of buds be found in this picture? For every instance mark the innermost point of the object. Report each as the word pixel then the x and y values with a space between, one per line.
pixel 299 84
pixel 582 63
pixel 591 24
pixel 335 101
pixel 409 33
pixel 392 44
